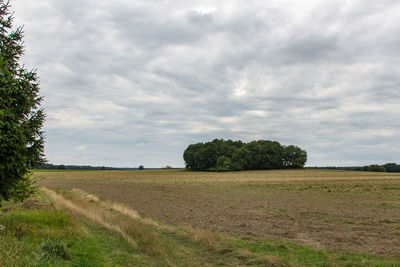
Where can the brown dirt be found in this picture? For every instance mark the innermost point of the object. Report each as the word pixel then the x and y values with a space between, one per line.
pixel 353 211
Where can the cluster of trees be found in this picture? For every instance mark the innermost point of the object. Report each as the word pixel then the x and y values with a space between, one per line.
pixel 228 155
pixel 388 167
pixel 391 167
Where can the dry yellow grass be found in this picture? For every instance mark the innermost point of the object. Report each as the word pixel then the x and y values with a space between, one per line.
pixel 144 233
pixel 244 177
pixel 80 207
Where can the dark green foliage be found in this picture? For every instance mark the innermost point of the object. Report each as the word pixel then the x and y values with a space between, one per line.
pixel 61 167
pixel 388 167
pixel 24 188
pixel 376 168
pixel 294 157
pixel 228 155
pixel 224 163
pixel 21 118
pixel 392 167
pixel 264 155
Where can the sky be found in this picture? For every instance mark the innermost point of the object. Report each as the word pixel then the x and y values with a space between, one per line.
pixel 130 82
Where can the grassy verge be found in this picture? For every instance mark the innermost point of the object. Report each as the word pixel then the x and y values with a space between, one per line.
pixel 89 232
pixel 36 234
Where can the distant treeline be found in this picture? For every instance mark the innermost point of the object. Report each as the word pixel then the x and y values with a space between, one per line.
pixel 77 167
pixel 49 166
pixel 388 167
pixel 228 155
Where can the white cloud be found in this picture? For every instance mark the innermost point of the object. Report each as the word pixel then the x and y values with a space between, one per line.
pixel 80 148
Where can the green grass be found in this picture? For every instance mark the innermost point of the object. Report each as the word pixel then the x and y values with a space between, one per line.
pixel 105 248
pixel 297 255
pixel 48 237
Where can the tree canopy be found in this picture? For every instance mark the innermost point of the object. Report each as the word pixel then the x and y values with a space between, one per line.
pixel 228 155
pixel 21 118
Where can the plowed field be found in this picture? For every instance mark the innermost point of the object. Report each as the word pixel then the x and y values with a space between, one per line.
pixel 333 210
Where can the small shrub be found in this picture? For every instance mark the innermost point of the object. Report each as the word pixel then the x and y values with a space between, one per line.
pixel 54 249
pixel 20 231
pixel 24 188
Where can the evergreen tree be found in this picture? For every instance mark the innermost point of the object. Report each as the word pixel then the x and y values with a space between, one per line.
pixel 21 117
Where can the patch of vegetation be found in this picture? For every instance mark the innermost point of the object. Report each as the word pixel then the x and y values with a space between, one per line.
pixel 291 254
pixel 54 249
pixel 24 188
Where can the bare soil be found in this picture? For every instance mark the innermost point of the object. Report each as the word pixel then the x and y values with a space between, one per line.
pixel 333 210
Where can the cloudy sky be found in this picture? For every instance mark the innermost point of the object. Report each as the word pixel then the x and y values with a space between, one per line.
pixel 129 82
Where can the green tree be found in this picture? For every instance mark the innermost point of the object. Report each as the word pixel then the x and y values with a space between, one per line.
pixel 189 156
pixel 224 163
pixel 264 155
pixel 21 117
pixel 294 157
pixel 241 159
pixel 376 168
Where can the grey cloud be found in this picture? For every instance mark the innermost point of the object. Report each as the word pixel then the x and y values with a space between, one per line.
pixel 310 47
pixel 199 18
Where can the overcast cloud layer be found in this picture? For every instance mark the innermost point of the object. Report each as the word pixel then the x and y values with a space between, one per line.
pixel 131 82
